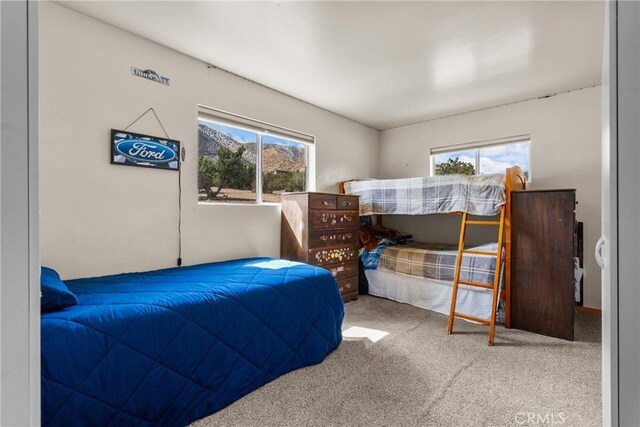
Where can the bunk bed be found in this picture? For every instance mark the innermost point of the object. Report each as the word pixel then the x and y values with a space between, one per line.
pixel 463 282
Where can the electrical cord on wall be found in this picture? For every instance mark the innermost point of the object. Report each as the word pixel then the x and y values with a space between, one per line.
pixel 181 157
pixel 180 160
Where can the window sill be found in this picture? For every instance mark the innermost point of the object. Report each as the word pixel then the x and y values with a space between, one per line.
pixel 252 204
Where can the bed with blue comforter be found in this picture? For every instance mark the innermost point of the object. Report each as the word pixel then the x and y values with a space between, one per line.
pixel 164 348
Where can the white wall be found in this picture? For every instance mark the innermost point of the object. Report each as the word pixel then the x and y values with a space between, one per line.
pixel 565 153
pixel 97 218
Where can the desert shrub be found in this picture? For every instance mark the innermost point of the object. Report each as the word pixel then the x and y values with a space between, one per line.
pixel 283 181
pixel 229 170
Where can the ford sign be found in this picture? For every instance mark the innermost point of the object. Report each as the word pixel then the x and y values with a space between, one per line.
pixel 145 151
pixel 141 150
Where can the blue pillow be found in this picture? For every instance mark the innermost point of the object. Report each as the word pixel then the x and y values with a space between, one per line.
pixel 54 293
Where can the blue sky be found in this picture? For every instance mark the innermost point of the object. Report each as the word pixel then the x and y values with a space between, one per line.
pixel 494 159
pixel 270 139
pixel 497 159
pixel 242 135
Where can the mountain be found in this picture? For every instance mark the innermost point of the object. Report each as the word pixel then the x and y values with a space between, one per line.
pixel 282 158
pixel 210 141
pixel 274 157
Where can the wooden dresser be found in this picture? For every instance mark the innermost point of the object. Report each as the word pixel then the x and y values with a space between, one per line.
pixel 542 276
pixel 322 229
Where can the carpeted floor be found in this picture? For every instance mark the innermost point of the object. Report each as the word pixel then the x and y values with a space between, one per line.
pixel 419 376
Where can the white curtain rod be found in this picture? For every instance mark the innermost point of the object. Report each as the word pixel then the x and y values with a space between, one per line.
pixel 481 143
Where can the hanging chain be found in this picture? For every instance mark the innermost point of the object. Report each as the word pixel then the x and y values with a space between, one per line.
pixel 157 118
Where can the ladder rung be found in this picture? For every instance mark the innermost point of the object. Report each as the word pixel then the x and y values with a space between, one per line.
pixel 479 285
pixel 483 222
pixel 474 318
pixel 469 251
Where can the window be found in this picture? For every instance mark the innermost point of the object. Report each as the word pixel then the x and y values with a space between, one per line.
pixel 284 165
pixel 246 161
pixel 227 159
pixel 482 158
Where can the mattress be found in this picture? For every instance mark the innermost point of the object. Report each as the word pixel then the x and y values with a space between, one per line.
pixel 167 347
pixel 438 261
pixel 430 294
pixel 477 195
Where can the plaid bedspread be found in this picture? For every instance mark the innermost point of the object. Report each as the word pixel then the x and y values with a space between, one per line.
pixel 476 195
pixel 438 261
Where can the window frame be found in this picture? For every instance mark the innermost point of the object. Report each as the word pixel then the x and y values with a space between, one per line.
pixel 261 129
pixel 476 147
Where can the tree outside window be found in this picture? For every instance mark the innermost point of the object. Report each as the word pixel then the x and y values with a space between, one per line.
pixel 483 160
pixel 228 159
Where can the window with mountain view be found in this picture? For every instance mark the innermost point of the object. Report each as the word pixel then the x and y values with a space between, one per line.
pixel 284 164
pixel 228 159
pixel 481 160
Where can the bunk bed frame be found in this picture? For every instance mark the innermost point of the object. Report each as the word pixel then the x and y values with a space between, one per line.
pixel 515 180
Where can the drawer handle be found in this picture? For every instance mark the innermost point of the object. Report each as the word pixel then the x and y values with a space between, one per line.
pixel 348 285
pixel 324 202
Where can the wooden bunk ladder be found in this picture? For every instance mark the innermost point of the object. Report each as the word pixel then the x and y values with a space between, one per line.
pixel 495 286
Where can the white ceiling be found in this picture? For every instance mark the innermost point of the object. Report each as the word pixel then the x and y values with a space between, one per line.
pixel 382 63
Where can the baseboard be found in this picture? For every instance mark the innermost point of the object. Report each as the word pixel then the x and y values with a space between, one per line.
pixel 589 310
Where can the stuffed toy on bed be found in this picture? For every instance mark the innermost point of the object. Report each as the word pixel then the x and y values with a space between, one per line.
pixel 372 235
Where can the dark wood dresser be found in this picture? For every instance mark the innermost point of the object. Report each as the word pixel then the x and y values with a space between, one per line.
pixel 542 267
pixel 322 229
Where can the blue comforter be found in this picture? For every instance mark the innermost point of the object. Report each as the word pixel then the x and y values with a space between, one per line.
pixel 167 347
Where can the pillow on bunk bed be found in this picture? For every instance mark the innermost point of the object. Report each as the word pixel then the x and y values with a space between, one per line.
pixel 54 294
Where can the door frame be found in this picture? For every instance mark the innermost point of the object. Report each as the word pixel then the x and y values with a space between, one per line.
pixel 610 416
pixel 621 210
pixel 19 216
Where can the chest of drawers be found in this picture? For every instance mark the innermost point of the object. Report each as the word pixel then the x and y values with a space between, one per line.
pixel 322 229
pixel 542 266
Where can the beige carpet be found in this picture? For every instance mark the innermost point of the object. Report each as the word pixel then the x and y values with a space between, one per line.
pixel 418 376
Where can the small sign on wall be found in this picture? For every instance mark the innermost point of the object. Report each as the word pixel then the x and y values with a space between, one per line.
pixel 150 75
pixel 135 149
